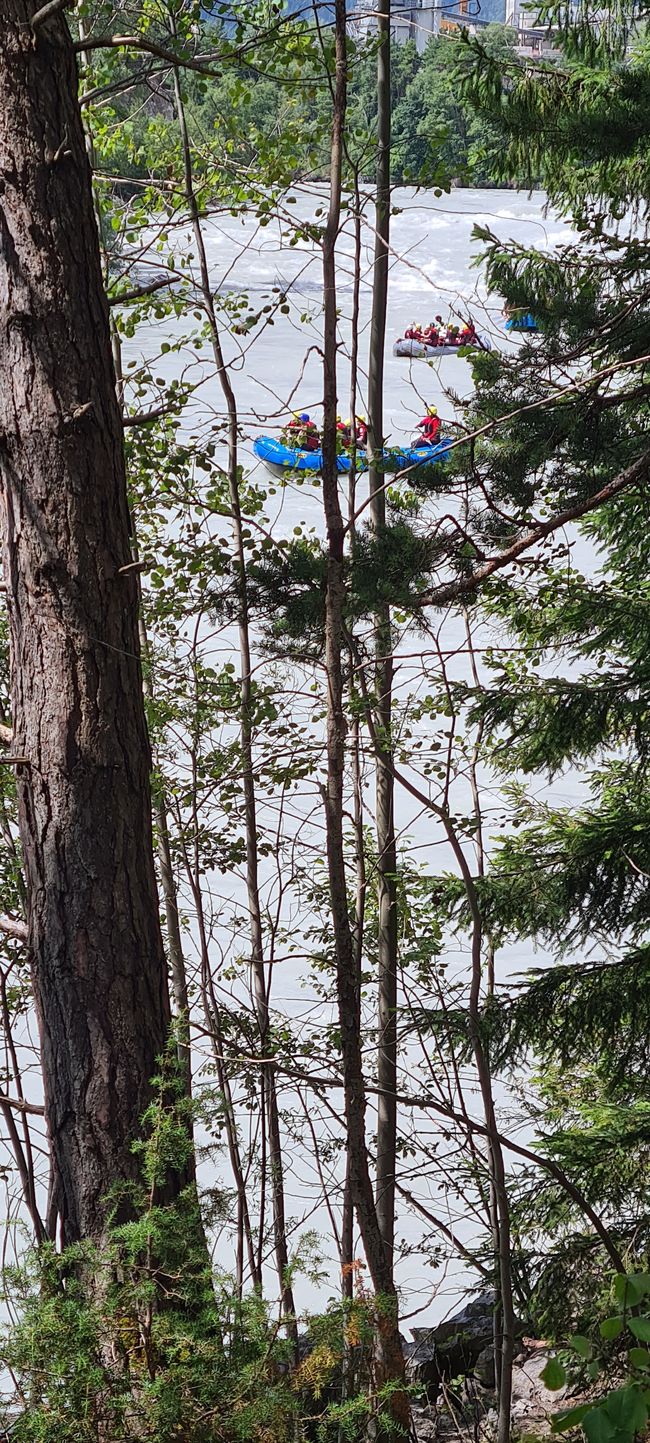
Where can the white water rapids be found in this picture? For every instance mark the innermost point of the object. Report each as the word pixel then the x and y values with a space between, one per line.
pixel 278 368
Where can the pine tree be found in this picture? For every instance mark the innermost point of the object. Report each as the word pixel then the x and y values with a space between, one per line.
pixel 567 416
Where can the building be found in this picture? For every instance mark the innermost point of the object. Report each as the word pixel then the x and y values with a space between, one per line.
pixel 416 21
pixel 421 19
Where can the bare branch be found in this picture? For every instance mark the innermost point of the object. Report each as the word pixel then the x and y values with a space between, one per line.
pixel 19 1104
pixel 467 585
pixel 447 1232
pixel 12 927
pixel 142 417
pixel 123 298
pixel 138 42
pixel 131 567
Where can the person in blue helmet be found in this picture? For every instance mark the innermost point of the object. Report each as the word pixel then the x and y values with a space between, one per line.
pixel 302 432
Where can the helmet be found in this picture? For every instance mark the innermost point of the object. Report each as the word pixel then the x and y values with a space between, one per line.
pixel 361 418
pixel 432 410
pixel 304 416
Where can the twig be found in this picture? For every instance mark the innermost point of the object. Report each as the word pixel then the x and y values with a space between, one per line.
pixel 465 586
pixel 123 297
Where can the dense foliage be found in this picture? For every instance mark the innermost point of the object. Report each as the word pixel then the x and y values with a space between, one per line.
pixel 522 1104
pixel 278 103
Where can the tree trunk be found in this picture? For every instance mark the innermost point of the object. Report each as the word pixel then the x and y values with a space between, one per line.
pixel 260 987
pixel 99 971
pixel 390 1363
pixel 384 785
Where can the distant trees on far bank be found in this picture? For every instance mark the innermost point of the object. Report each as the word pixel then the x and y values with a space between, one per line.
pixel 437 138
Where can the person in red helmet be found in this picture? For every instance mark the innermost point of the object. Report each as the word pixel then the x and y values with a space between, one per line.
pixel 430 426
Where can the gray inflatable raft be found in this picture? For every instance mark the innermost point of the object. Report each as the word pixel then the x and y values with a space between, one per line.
pixel 418 350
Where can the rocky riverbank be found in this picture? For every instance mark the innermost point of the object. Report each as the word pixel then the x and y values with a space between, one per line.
pixel 452 1368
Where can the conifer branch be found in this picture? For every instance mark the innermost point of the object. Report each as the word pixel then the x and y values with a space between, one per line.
pixel 467 585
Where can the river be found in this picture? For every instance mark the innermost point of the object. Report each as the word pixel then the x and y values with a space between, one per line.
pixel 277 368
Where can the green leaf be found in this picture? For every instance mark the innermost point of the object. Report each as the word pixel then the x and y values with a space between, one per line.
pixel 553 1375
pixel 597 1427
pixel 562 1422
pixel 580 1345
pixel 640 1327
pixel 630 1288
pixel 639 1357
pixel 611 1328
pixel 627 1409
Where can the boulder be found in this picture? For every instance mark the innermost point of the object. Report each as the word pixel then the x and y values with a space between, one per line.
pixel 484 1370
pixel 533 1406
pixel 425 1424
pixel 451 1348
pixel 458 1346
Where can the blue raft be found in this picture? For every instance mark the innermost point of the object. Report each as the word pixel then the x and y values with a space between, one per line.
pixel 280 459
pixel 522 323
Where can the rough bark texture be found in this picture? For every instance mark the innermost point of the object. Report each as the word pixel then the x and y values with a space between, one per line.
pixel 78 715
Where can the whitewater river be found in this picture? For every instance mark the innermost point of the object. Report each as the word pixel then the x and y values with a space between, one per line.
pixel 278 368
pixel 433 269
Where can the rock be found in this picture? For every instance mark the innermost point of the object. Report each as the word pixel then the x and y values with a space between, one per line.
pixel 425 1424
pixel 451 1348
pixel 532 1400
pixel 484 1370
pixel 533 1405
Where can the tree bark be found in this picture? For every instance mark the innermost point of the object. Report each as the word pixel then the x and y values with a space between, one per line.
pixel 390 1362
pixel 99 972
pixel 384 786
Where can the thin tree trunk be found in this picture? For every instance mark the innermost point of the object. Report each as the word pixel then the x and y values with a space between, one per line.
pixel 176 955
pixel 260 993
pixel 212 1014
pixel 384 786
pixel 84 801
pixel 390 1360
pixel 503 1345
pixel 382 235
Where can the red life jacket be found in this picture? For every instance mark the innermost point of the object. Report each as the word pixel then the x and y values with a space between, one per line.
pixel 430 427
